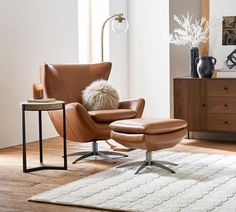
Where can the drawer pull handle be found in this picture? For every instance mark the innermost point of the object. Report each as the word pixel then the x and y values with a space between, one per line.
pixel 226 105
pixel 225 88
pixel 203 105
pixel 226 122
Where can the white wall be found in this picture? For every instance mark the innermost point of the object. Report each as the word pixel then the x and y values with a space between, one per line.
pixel 32 32
pixel 91 16
pixel 149 74
pixel 119 51
pixel 100 12
pixel 216 49
pixel 180 55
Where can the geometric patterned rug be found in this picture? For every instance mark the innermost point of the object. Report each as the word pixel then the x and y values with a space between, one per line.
pixel 202 182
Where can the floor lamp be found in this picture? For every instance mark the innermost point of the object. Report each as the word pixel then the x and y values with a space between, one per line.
pixel 119 25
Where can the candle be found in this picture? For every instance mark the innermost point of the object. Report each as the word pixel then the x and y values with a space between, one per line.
pixel 38 91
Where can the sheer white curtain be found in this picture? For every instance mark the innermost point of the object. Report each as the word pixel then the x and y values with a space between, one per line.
pixel 84 31
pixel 91 15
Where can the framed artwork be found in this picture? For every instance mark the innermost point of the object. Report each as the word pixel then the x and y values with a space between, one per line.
pixel 229 30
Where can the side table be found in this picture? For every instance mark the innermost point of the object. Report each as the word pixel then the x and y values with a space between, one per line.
pixel 32 106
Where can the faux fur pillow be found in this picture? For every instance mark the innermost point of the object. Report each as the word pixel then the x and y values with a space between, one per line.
pixel 100 95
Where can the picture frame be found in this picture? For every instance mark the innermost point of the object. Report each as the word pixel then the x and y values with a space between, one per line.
pixel 229 30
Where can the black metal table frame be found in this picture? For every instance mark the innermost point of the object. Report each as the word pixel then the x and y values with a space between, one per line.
pixel 42 166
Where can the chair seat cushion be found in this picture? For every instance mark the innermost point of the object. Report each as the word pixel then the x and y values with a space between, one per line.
pixel 111 115
pixel 151 126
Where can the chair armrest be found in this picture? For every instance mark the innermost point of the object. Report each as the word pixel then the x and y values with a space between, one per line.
pixel 133 104
pixel 79 125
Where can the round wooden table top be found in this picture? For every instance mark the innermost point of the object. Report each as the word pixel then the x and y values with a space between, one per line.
pixel 46 106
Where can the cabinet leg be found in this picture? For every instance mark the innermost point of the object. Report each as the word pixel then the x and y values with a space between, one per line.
pixel 188 136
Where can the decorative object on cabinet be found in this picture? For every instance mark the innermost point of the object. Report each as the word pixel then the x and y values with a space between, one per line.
pixel 191 33
pixel 119 25
pixel 229 30
pixel 231 60
pixel 205 66
pixel 194 54
pixel 208 105
pixel 226 73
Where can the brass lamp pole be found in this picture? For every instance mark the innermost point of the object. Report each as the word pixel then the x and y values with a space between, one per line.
pixel 119 25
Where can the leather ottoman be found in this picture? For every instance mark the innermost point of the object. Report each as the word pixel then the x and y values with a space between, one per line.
pixel 150 134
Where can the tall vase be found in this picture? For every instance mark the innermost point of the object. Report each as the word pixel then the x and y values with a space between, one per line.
pixel 194 53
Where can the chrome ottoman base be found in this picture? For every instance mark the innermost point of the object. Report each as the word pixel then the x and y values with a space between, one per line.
pixel 149 162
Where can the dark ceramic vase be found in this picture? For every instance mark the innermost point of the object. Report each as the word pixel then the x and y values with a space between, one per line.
pixel 205 66
pixel 194 54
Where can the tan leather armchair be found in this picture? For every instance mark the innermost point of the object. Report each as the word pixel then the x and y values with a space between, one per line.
pixel 66 82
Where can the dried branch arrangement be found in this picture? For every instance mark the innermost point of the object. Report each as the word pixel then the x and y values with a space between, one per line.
pixel 191 33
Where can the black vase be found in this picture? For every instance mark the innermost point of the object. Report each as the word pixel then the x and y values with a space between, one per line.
pixel 194 53
pixel 205 66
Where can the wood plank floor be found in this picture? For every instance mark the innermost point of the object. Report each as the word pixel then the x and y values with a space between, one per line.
pixel 16 187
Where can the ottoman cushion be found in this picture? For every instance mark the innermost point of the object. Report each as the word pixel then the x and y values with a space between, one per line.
pixel 150 134
pixel 151 126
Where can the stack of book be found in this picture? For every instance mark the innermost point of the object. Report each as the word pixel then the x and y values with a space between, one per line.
pixel 48 100
pixel 225 73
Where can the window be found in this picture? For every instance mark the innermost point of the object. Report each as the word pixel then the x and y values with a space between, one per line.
pixel 91 15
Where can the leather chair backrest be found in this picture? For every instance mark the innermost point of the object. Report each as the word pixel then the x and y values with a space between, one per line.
pixel 67 81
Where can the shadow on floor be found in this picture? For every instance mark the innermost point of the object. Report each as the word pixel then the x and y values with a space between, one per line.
pixel 229 146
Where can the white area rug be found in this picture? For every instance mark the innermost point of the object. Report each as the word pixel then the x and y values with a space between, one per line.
pixel 203 182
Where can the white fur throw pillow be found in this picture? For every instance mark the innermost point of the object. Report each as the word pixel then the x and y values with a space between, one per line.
pixel 100 95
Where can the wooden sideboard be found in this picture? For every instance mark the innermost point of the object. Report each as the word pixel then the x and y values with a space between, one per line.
pixel 208 105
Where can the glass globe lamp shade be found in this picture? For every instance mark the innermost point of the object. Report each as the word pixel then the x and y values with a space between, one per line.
pixel 120 25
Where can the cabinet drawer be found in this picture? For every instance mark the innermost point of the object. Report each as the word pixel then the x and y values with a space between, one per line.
pixel 218 122
pixel 225 87
pixel 221 105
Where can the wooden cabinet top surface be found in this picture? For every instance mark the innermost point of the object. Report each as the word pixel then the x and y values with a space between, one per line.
pixel 190 78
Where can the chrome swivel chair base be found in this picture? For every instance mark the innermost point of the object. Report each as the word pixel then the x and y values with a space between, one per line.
pixel 149 162
pixel 95 152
